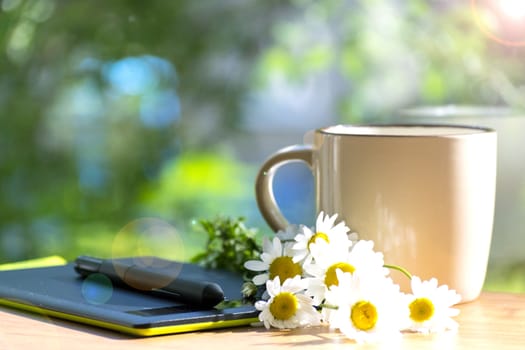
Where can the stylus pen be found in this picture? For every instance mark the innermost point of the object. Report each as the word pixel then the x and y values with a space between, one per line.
pixel 202 293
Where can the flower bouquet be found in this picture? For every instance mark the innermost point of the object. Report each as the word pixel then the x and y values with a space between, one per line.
pixel 328 276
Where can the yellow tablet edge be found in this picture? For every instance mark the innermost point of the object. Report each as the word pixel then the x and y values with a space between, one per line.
pixel 54 260
pixel 143 332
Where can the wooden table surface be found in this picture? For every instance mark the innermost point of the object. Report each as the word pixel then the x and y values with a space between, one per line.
pixel 494 321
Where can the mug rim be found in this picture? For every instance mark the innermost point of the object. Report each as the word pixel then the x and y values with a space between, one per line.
pixel 469 130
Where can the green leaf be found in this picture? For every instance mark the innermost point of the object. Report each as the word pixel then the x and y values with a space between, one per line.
pixel 230 243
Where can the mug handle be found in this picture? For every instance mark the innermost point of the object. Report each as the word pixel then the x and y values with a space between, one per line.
pixel 264 182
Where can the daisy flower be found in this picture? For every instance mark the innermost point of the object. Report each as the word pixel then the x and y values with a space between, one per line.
pixel 276 261
pixel 430 306
pixel 368 310
pixel 322 270
pixel 287 307
pixel 325 233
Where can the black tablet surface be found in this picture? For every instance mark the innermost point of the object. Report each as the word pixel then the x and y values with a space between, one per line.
pixel 60 292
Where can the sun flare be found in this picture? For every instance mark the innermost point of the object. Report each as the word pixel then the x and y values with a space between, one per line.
pixel 514 9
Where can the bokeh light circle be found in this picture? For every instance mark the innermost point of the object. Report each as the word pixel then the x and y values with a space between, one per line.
pixel 97 289
pixel 145 239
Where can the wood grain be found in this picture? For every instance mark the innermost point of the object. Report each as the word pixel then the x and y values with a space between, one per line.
pixel 494 321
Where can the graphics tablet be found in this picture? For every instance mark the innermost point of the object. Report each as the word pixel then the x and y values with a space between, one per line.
pixel 59 292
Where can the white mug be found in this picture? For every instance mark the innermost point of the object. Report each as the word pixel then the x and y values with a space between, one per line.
pixel 424 194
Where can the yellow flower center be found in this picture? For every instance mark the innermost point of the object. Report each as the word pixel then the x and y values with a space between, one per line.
pixel 330 278
pixel 284 306
pixel 321 235
pixel 285 268
pixel 421 309
pixel 364 315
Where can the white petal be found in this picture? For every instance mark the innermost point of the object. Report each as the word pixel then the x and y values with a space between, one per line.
pixel 300 245
pixel 299 256
pixel 314 270
pixel 260 305
pixel 320 219
pixel 277 248
pixel 307 233
pixel 341 227
pixel 451 312
pixel 415 284
pixel 433 283
pixel 267 244
pixel 260 279
pixel 287 249
pixel 267 258
pixel 273 287
pixel 294 285
pixel 304 299
pixel 256 265
pixel 330 221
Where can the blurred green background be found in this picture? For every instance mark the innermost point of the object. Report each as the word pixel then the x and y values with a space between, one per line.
pixel 123 116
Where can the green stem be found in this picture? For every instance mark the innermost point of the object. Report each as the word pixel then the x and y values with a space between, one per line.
pixel 328 306
pixel 400 269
